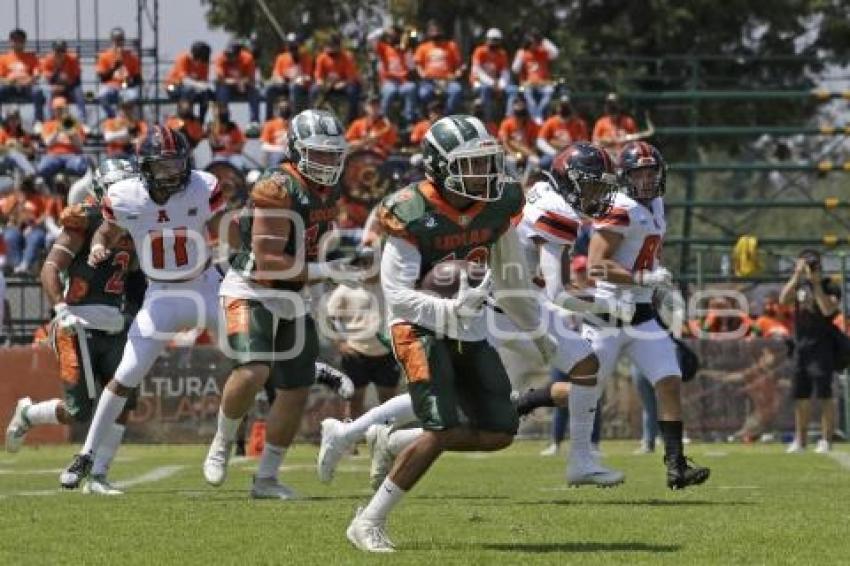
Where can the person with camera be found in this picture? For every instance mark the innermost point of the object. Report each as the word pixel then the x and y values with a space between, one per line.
pixel 63 138
pixel 189 78
pixel 19 74
pixel 61 72
pixel 815 299
pixel 120 73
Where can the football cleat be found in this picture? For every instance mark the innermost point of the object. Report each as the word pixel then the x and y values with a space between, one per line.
pixel 334 380
pixel 377 439
pixel 368 536
pixel 75 473
pixel 551 450
pixel 215 464
pixel 586 471
pixel 795 448
pixel 682 472
pixel 823 447
pixel 98 485
pixel 271 488
pixel 18 426
pixel 332 449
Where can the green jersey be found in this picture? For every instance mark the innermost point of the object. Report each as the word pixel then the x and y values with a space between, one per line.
pixel 419 214
pixel 103 284
pixel 317 212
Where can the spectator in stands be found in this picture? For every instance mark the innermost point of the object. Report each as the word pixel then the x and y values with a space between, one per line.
pixel 373 131
pixel 190 77
pixel 610 129
pixel 291 77
pixel 559 130
pixel 120 73
pixel 724 320
pixel 478 111
pixel 61 72
pixel 23 212
pixel 226 139
pixel 19 72
pixel 490 76
pixel 774 321
pixel 815 299
pixel 531 64
pixel 273 136
pixel 394 74
pixel 184 120
pixel 63 138
pixel 123 132
pixel 235 79
pixel 336 75
pixel 440 67
pixel 16 145
pixel 518 133
pixel 436 110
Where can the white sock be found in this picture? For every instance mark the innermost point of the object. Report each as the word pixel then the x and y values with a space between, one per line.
pixel 107 449
pixel 386 497
pixel 270 460
pixel 227 427
pixel 401 439
pixel 398 410
pixel 582 405
pixel 42 413
pixel 109 407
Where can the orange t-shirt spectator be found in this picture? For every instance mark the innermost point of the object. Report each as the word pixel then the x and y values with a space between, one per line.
pixel 333 67
pixel 63 135
pixel 532 61
pixel 438 59
pixel 225 137
pixel 515 130
pixel 490 63
pixel 391 62
pixel 373 131
pixel 19 73
pixel 613 125
pixel 289 68
pixel 67 70
pixel 19 68
pixel 118 67
pixel 186 66
pixel 239 68
pixel 273 136
pixel 122 132
pixel 186 122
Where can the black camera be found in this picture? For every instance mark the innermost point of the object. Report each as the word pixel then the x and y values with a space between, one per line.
pixel 812 259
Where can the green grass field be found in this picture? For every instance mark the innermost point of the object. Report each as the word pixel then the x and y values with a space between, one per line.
pixel 760 507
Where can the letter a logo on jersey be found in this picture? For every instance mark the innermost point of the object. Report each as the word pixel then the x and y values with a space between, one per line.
pixel 163 216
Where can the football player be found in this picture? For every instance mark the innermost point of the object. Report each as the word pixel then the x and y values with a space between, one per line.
pixel 462 211
pixel 168 212
pixel 93 306
pixel 581 186
pixel 282 232
pixel 624 259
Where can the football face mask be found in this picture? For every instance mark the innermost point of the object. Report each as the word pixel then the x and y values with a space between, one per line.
pixel 476 170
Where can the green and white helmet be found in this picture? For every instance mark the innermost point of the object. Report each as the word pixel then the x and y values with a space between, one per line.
pixel 109 172
pixel 316 145
pixel 461 156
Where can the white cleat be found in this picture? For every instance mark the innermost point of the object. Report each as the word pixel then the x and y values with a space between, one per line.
pixel 215 465
pixel 378 440
pixel 823 447
pixel 551 450
pixel 795 448
pixel 368 536
pixel 18 427
pixel 585 471
pixel 99 485
pixel 271 488
pixel 331 450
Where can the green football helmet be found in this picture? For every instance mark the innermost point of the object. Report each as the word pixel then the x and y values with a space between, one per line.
pixel 316 145
pixel 461 156
pixel 109 172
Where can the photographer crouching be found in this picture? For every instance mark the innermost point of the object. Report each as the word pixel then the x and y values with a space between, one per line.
pixel 816 302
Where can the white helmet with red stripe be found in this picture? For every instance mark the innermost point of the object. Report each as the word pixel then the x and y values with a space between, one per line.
pixel 164 159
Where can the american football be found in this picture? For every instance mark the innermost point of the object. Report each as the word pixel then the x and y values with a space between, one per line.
pixel 444 278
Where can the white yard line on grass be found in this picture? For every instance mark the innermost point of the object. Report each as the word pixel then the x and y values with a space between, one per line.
pixel 157 474
pixel 843 459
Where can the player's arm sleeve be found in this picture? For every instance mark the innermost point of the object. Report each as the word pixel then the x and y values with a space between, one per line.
pixel 512 289
pixel 400 264
pixel 551 266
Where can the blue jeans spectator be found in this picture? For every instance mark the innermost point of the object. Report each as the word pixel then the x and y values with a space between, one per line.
pixel 407 91
pixel 16 160
pixel 200 95
pixel 224 93
pixel 74 94
pixel 488 96
pixel 23 246
pixel 538 97
pixel 650 408
pixel 298 96
pixel 454 94
pixel 109 96
pixel 14 93
pixel 351 95
pixel 74 164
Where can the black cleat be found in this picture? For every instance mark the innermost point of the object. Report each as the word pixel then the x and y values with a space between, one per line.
pixel 334 380
pixel 76 472
pixel 683 472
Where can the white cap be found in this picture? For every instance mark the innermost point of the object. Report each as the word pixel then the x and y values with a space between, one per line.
pixel 493 33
